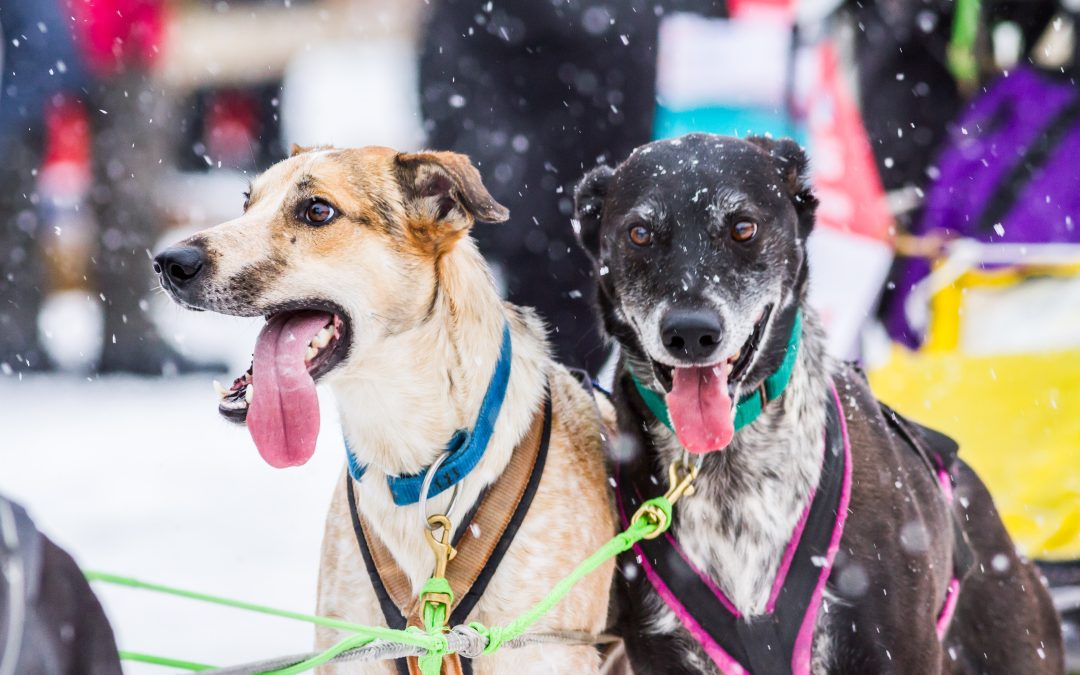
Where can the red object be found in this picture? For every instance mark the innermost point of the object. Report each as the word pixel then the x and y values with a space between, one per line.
pixel 65 166
pixel 845 175
pixel 783 10
pixel 231 126
pixel 115 35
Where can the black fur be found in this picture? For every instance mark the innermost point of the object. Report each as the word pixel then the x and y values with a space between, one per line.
pixel 882 619
pixel 63 629
pixel 691 235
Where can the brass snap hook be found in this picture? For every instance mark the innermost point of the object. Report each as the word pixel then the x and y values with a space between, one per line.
pixel 444 552
pixel 441 547
pixel 684 485
pixel 681 476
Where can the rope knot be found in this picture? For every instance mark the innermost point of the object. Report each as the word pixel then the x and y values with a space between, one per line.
pixel 655 514
pixel 494 636
pixel 431 662
pixel 469 643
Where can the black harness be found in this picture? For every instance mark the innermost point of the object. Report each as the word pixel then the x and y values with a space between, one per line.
pixel 764 643
pixel 779 641
pixel 940 454
pixel 392 613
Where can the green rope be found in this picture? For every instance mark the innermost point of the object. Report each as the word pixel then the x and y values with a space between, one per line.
pixel 351 642
pixel 620 543
pixel 371 632
pixel 433 642
pixel 163 661
pixel 435 623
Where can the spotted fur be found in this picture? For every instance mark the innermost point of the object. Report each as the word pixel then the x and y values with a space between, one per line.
pixel 896 557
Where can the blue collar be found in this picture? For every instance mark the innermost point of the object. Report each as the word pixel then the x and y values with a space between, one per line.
pixel 465 448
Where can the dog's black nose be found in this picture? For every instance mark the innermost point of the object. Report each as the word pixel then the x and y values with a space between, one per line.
pixel 181 264
pixel 691 334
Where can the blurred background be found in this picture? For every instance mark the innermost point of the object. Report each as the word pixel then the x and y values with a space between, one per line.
pixel 946 258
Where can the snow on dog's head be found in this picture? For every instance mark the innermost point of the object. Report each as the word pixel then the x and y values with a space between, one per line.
pixel 699 244
pixel 337 248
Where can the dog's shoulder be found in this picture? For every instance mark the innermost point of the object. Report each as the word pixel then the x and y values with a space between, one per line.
pixel 581 409
pixel 867 416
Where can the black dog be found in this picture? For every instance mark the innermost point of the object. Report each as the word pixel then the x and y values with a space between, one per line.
pixel 825 533
pixel 50 620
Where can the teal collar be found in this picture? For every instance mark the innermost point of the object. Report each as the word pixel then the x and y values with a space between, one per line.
pixel 751 404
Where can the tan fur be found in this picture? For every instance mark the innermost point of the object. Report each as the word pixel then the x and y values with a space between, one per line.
pixel 426 326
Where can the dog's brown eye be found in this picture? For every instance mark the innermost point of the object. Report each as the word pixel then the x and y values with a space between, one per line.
pixel 640 235
pixel 318 212
pixel 744 230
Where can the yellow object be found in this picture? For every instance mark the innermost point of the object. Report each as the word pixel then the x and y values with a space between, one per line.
pixel 1017 419
pixel 947 305
pixel 444 552
pixel 677 488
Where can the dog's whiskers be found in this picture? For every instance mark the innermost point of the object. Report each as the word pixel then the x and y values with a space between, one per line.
pixel 381 319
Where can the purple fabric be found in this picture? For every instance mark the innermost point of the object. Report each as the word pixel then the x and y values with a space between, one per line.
pixel 983 148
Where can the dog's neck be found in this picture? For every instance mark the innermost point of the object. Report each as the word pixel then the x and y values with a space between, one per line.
pixel 406 398
pixel 749 496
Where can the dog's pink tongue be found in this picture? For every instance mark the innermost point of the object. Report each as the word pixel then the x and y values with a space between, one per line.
pixel 700 408
pixel 283 416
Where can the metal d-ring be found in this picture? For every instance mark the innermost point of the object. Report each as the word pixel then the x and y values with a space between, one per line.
pixel 425 486
pixel 699 459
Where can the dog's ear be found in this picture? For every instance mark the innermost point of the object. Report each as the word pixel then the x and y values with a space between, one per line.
pixel 589 208
pixel 297 149
pixel 794 169
pixel 444 188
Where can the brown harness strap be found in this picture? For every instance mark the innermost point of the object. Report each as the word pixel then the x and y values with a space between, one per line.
pixel 477 544
pixel 393 578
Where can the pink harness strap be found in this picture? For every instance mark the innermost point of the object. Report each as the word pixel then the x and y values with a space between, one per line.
pixel 800 659
pixel 802 649
pixel 948 609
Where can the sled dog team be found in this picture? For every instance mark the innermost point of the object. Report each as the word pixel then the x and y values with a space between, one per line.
pixel 824 533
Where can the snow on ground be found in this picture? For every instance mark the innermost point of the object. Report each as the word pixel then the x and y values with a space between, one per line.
pixel 141 477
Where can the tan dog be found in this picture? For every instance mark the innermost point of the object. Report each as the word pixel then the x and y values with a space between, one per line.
pixel 361 261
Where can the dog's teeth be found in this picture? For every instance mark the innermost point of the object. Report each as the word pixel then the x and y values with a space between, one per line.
pixel 222 392
pixel 323 337
pixel 311 352
pixel 233 404
pixel 249 392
